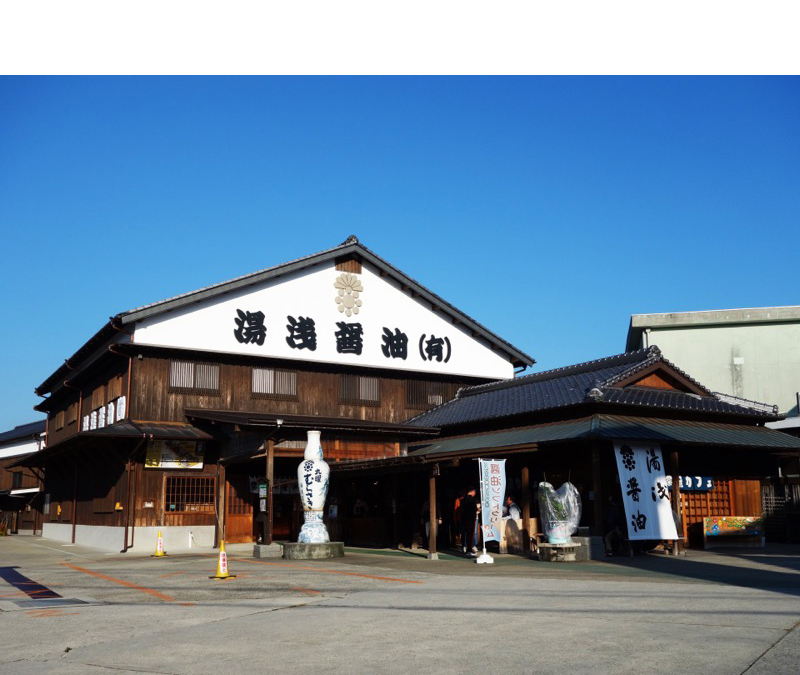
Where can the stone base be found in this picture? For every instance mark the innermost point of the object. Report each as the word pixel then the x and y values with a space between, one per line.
pixel 298 551
pixel 592 548
pixel 558 552
pixel 268 551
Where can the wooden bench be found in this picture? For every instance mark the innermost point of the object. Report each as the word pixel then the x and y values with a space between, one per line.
pixel 719 531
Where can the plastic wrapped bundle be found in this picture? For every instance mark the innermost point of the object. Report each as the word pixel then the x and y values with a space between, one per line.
pixel 560 512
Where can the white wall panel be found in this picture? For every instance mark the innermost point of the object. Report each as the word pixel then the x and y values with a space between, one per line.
pixel 22 447
pixel 210 325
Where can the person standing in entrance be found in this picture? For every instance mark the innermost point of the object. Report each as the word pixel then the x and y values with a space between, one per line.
pixel 511 510
pixel 469 510
pixel 456 533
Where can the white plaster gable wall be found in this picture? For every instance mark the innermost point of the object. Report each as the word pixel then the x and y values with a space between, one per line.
pixel 22 447
pixel 210 325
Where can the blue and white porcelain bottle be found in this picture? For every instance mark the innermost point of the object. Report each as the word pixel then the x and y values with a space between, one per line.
pixel 312 478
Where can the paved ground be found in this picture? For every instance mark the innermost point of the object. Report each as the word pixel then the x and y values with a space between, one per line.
pixel 725 612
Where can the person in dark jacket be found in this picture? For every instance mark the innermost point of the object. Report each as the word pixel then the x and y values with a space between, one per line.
pixel 469 510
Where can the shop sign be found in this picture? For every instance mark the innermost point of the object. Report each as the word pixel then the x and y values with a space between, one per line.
pixel 171 454
pixel 493 490
pixel 694 483
pixel 645 491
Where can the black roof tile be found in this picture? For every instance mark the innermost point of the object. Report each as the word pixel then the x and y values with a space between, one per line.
pixel 29 430
pixel 562 387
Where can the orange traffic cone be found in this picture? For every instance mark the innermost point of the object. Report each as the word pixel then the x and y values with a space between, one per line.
pixel 160 552
pixel 222 564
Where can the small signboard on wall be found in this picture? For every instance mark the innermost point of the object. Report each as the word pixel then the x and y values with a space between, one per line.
pixel 174 455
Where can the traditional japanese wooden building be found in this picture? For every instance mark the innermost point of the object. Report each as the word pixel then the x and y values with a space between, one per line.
pixel 20 487
pixel 562 425
pixel 174 416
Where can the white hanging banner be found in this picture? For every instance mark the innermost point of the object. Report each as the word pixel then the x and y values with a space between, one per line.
pixel 645 491
pixel 493 490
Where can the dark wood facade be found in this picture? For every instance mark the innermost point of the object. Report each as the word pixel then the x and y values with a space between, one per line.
pixel 105 481
pixel 318 392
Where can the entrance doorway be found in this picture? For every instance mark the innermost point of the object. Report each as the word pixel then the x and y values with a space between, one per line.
pixel 239 503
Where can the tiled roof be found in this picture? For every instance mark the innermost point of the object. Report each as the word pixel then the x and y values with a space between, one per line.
pixel 614 426
pixel 580 383
pixel 23 431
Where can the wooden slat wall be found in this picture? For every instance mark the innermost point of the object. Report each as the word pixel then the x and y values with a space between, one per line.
pixel 112 384
pixel 746 497
pixel 656 381
pixel 318 394
pixel 7 476
pixel 102 482
pixel 730 497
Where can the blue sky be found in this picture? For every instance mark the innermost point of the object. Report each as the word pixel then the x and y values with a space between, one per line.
pixel 550 209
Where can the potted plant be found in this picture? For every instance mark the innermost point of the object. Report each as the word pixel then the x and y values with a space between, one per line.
pixel 560 511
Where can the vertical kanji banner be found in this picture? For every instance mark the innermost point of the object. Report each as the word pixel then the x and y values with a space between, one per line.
pixel 645 491
pixel 493 490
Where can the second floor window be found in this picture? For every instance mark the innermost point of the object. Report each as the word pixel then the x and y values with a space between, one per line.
pixel 359 390
pixel 274 383
pixel 194 377
pixel 424 395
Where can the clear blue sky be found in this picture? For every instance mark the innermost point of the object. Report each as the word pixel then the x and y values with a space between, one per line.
pixel 550 209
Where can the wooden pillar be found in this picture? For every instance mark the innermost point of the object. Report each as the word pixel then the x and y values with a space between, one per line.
pixel 432 554
pixel 223 503
pixel 597 488
pixel 395 527
pixel 74 499
pixel 270 477
pixel 526 510
pixel 676 497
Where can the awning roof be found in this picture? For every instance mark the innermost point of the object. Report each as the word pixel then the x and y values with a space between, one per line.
pixel 137 429
pixel 132 429
pixel 617 426
pixel 252 420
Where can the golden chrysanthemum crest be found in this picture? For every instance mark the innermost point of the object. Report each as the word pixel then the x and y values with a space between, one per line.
pixel 349 287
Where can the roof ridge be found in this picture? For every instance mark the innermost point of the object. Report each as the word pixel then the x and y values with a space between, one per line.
pixel 653 353
pixel 745 402
pixel 352 239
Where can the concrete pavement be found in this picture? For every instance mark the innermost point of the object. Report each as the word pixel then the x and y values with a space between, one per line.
pixel 391 612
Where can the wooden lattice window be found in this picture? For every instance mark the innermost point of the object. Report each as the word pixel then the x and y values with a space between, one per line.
pixel 274 383
pixel 194 377
pixel 359 390
pixel 59 420
pixel 189 494
pixel 698 505
pixel 424 395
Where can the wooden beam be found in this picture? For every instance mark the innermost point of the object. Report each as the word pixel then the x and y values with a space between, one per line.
pixel 432 554
pixel 526 510
pixel 74 499
pixel 222 488
pixel 676 496
pixel 597 487
pixel 395 526
pixel 270 478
